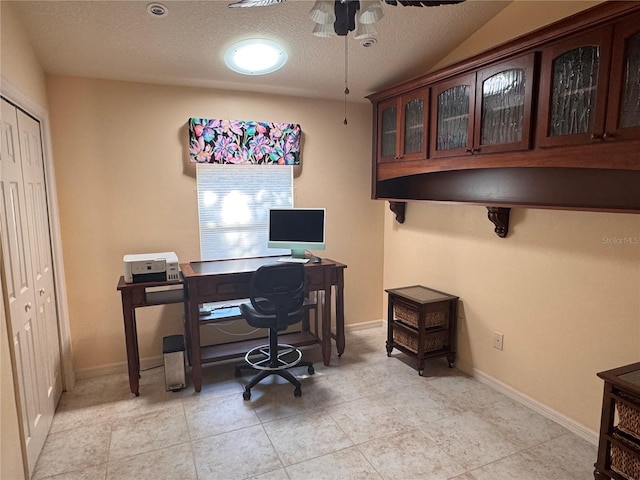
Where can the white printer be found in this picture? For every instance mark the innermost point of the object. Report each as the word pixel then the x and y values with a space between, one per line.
pixel 151 267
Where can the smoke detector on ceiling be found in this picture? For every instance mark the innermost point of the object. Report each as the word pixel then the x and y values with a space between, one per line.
pixel 157 10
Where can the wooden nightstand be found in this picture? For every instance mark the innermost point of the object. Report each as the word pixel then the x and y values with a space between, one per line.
pixel 421 322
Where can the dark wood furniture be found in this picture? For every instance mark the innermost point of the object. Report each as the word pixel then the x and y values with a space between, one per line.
pixel 136 295
pixel 226 280
pixel 507 128
pixel 421 322
pixel 619 444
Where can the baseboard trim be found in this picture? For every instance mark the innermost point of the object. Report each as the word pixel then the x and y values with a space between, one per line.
pixel 544 410
pixel 364 325
pixel 120 367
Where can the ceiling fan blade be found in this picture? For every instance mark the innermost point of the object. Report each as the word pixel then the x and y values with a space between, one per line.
pixel 254 3
pixel 420 3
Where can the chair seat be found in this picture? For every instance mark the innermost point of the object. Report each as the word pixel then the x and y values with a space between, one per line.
pixel 258 320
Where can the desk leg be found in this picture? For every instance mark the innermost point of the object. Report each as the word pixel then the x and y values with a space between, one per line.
pixel 133 360
pixel 326 318
pixel 194 327
pixel 340 341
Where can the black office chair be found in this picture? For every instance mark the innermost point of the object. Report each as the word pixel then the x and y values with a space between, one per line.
pixel 277 294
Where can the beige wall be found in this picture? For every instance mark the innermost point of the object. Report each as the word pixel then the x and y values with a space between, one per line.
pixel 20 65
pixel 519 18
pixel 562 289
pixel 21 68
pixel 124 186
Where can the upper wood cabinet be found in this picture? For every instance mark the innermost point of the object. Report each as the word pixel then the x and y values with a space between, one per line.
pixel 402 127
pixel 589 87
pixel 487 111
pixel 550 119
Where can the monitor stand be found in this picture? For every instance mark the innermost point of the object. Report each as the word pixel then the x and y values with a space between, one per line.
pixel 298 253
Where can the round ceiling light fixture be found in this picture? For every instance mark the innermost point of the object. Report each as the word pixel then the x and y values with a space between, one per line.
pixel 157 10
pixel 255 56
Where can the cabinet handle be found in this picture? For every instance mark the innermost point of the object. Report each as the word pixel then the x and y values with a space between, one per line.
pixel 27 307
pixel 470 150
pixel 42 291
pixel 398 157
pixel 596 136
pixel 608 135
pixel 473 150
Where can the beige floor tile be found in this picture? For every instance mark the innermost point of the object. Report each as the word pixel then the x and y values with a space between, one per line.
pixel 98 472
pixel 207 416
pixel 348 463
pixel 306 436
pixel 368 418
pixel 410 454
pixel 469 439
pixel 72 450
pixel 175 462
pixel 520 424
pixel 148 432
pixel 235 455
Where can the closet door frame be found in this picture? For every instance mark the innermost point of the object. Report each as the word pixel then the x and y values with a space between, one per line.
pixel 15 96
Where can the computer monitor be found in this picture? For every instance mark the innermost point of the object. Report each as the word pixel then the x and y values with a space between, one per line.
pixel 298 229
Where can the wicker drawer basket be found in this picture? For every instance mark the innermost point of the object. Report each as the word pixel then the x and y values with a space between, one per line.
pixel 410 317
pixel 623 462
pixel 432 342
pixel 628 416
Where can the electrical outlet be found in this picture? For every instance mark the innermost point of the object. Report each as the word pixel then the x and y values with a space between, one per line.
pixel 498 339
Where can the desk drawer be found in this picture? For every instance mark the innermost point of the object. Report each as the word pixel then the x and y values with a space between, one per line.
pixel 223 290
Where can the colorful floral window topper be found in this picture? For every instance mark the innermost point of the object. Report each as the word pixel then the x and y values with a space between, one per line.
pixel 233 141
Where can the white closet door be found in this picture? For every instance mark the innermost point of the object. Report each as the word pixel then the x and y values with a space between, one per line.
pixel 41 258
pixel 31 358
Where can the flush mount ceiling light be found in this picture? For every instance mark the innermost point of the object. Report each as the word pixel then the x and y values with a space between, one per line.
pixel 256 56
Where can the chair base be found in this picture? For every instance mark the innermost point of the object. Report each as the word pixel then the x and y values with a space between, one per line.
pixel 287 357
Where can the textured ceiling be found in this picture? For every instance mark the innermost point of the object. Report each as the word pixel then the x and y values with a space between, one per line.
pixel 119 40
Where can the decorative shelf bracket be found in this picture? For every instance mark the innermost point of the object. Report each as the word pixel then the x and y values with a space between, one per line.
pixel 499 216
pixel 399 208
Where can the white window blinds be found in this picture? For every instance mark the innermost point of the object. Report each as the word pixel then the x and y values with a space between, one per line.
pixel 233 208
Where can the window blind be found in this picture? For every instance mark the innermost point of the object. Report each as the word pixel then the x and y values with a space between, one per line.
pixel 233 208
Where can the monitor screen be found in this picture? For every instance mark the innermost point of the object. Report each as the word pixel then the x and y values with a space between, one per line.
pixel 298 229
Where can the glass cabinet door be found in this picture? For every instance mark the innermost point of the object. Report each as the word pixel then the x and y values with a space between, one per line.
pixel 413 144
pixel 388 131
pixel 503 110
pixel 574 78
pixel 451 123
pixel 623 116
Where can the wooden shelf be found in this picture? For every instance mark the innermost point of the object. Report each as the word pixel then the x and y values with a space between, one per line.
pixel 214 353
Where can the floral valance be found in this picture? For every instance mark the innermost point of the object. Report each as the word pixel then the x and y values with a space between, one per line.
pixel 234 141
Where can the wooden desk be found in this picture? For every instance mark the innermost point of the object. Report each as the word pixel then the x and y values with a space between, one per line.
pixel 135 295
pixel 226 280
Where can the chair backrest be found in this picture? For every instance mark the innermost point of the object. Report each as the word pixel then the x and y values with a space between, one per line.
pixel 279 290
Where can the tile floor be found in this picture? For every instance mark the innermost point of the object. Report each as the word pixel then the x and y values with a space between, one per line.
pixel 366 416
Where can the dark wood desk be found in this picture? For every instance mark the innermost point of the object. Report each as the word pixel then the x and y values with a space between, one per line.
pixel 135 295
pixel 225 280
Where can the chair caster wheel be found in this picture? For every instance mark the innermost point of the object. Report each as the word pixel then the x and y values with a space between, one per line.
pixel 311 370
pixel 246 395
pixel 297 392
